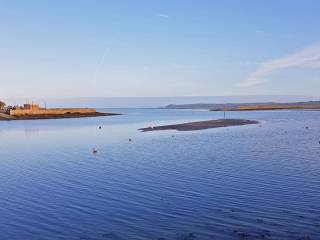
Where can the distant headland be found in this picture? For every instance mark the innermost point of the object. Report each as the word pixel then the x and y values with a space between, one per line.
pixel 311 105
pixel 34 111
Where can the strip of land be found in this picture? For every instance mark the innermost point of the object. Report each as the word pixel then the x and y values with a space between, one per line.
pixel 268 107
pixel 7 117
pixel 312 105
pixel 34 111
pixel 201 125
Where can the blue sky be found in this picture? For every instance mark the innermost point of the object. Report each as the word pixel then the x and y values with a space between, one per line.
pixel 158 48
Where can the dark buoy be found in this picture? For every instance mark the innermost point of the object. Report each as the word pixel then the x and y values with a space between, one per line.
pixel 94 150
pixel 130 139
pixel 100 127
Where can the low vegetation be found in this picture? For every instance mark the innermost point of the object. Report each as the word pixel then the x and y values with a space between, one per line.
pixel 268 107
pixel 2 105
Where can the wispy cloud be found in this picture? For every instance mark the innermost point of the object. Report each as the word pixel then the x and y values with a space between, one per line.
pixel 162 15
pixel 259 31
pixel 308 57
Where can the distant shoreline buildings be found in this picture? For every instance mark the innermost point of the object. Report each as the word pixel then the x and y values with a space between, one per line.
pixel 34 111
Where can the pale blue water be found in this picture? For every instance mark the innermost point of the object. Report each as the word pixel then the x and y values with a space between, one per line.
pixel 246 182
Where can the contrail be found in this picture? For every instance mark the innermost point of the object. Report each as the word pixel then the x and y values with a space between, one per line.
pixel 100 64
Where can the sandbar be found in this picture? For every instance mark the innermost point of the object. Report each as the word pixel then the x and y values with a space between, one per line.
pixel 201 125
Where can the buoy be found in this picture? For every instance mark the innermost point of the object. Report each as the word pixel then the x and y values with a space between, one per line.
pixel 100 127
pixel 130 139
pixel 94 150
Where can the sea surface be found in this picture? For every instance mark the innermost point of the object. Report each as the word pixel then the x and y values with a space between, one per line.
pixel 246 182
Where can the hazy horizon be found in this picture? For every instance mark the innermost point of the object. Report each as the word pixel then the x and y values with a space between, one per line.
pixel 156 102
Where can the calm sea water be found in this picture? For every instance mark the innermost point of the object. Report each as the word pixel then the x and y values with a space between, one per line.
pixel 245 182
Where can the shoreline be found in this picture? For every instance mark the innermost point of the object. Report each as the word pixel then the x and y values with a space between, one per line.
pixel 201 125
pixel 249 106
pixel 263 108
pixel 6 117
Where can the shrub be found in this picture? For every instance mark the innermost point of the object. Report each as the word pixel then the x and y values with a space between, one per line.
pixel 2 105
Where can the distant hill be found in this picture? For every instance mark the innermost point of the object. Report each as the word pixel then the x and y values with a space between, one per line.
pixel 247 106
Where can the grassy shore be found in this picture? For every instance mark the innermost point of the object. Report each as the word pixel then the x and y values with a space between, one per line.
pixel 267 107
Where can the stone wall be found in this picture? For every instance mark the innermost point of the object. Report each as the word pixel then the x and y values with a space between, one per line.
pixel 52 111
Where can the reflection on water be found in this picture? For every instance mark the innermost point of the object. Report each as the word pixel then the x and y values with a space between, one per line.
pixel 31 131
pixel 245 182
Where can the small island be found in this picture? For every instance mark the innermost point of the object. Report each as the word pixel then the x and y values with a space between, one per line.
pixel 201 125
pixel 34 111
